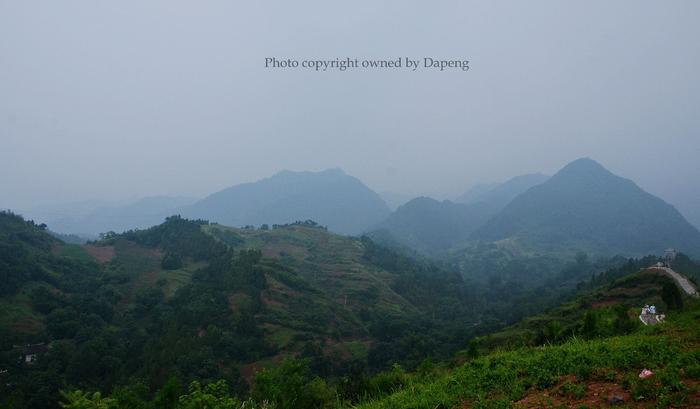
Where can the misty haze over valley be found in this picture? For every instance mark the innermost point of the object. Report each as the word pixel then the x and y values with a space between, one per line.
pixel 343 204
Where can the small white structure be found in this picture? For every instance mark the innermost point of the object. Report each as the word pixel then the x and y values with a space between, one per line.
pixel 649 316
pixel 30 353
pixel 670 254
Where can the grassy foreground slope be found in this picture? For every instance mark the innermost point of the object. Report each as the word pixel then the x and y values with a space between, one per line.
pixel 604 310
pixel 584 371
pixel 569 374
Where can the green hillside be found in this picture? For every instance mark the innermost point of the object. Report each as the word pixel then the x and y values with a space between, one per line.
pixel 593 363
pixel 295 312
pixel 199 301
pixel 604 303
pixel 585 353
pixel 578 373
pixel 358 296
pixel 33 263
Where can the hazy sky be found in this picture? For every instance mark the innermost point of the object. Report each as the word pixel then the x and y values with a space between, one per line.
pixel 116 99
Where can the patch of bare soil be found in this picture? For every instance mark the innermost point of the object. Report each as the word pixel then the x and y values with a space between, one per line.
pixel 235 300
pixel 26 325
pixel 332 346
pixel 598 394
pixel 694 395
pixel 103 254
pixel 268 301
pixel 249 370
pixel 279 250
pixel 603 303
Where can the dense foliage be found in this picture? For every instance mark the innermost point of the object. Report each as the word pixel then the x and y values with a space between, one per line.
pixel 25 249
pixel 135 317
pixel 114 325
pixel 570 374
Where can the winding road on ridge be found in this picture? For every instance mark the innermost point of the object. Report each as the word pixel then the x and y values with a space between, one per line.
pixel 685 284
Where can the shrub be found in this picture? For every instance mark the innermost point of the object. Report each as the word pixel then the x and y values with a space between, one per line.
pixel 290 386
pixel 573 390
pixel 171 261
pixel 693 371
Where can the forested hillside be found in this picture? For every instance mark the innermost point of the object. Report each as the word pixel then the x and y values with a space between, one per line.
pixel 590 352
pixel 144 313
pixel 587 353
pixel 192 300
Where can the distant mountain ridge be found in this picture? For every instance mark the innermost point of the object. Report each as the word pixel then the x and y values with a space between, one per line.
pixel 586 206
pixel 583 207
pixel 89 219
pixel 430 226
pixel 394 200
pixel 500 194
pixel 330 197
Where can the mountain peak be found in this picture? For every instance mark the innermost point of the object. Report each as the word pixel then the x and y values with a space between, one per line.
pixel 330 197
pixel 583 166
pixel 585 205
pixel 329 171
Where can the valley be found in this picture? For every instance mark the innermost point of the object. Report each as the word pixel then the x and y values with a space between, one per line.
pixel 390 316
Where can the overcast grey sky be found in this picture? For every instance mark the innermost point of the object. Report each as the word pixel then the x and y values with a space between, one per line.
pixel 105 99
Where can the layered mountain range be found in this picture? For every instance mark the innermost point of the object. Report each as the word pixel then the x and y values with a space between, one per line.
pixel 583 207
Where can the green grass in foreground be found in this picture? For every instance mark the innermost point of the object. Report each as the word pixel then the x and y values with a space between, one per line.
pixel 500 379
